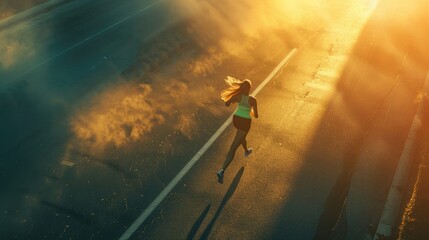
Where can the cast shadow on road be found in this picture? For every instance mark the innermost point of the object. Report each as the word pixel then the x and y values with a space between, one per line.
pixel 198 223
pixel 397 64
pixel 225 199
pixel 365 123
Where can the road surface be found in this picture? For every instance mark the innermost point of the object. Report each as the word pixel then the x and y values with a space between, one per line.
pixel 95 127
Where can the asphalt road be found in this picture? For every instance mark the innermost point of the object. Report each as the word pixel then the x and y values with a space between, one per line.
pixel 50 64
pixel 331 131
pixel 97 120
pixel 67 49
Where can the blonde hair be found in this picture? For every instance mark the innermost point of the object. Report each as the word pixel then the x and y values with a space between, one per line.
pixel 234 86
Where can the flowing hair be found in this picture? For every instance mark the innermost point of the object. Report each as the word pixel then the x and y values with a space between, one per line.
pixel 234 87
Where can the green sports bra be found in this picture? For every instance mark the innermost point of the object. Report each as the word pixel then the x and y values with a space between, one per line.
pixel 243 108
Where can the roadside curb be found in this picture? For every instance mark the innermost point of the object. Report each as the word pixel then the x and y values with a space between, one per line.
pixel 30 13
pixel 393 202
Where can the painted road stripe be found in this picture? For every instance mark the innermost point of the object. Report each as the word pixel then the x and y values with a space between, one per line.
pixel 393 202
pixel 85 40
pixel 148 211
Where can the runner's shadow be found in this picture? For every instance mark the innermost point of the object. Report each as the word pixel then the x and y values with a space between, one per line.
pixel 198 223
pixel 225 199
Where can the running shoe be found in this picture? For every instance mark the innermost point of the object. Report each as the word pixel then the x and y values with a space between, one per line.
pixel 248 152
pixel 220 176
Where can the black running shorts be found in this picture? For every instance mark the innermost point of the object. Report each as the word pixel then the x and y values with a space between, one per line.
pixel 241 123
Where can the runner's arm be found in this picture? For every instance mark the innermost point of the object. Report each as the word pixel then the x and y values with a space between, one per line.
pixel 255 108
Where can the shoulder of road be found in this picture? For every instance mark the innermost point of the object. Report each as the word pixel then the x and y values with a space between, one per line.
pixel 415 217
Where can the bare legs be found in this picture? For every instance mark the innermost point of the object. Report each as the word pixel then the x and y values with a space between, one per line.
pixel 240 139
pixel 244 144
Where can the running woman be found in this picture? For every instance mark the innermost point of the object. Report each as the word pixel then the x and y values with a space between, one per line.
pixel 238 92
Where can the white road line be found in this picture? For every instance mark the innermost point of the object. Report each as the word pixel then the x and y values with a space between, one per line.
pixel 146 213
pixel 85 40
